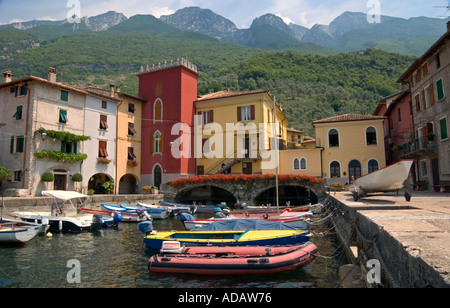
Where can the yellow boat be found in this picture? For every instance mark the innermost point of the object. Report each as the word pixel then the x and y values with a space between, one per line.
pixel 228 238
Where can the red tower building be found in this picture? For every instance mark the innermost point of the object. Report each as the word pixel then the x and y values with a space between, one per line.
pixel 170 89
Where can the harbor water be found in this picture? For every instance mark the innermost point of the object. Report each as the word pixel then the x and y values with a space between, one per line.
pixel 117 258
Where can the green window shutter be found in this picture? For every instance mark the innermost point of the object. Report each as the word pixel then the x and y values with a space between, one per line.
pixel 20 144
pixel 440 89
pixel 63 116
pixel 23 90
pixel 444 131
pixel 63 146
pixel 75 148
pixel 18 114
pixel 12 145
pixel 64 95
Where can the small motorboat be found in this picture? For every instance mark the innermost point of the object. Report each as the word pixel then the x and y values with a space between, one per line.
pixel 64 215
pixel 200 208
pixel 173 210
pixel 288 236
pixel 104 219
pixel 231 260
pixel 155 213
pixel 127 215
pixel 19 232
pixel 388 179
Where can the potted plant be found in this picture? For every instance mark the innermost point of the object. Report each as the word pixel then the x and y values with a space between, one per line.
pixel 431 137
pixel 146 190
pixel 109 186
pixel 47 178
pixel 155 190
pixel 77 178
pixel 5 175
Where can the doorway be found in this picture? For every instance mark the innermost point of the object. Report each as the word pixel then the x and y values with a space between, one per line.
pixel 247 168
pixel 157 176
pixel 354 170
pixel 60 182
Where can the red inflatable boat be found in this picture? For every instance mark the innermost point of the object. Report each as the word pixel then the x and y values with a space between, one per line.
pixel 234 260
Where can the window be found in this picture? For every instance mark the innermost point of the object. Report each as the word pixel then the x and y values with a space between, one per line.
pixel 373 165
pixel 17 176
pixel 131 130
pixel 103 121
pixel 299 139
pixel 207 117
pixel 423 168
pixel 335 169
pixel 399 111
pixel 131 108
pixel 371 136
pixel 131 155
pixel 417 100
pixel 69 147
pixel 17 144
pixel 18 114
pixel 246 113
pixel 158 143
pixel 354 170
pixel 303 164
pixel 438 61
pixel 333 138
pixel 440 89
pixel 444 131
pixel 63 116
pixel 104 104
pixel 158 111
pixel 206 146
pixel 296 164
pixel 102 149
pixel 429 97
pixel 64 95
pixel 425 69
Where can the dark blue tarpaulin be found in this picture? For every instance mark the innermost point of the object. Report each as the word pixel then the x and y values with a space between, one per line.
pixel 245 224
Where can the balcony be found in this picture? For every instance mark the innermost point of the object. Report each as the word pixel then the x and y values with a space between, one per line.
pixel 418 147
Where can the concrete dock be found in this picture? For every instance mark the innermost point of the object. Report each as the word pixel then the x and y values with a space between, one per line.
pixel 411 240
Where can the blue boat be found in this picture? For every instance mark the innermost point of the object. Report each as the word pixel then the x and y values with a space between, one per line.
pixel 202 209
pixel 154 212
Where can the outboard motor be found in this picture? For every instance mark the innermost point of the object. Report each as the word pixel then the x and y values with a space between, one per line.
pixel 220 215
pixel 146 227
pixel 117 218
pixel 97 222
pixel 242 206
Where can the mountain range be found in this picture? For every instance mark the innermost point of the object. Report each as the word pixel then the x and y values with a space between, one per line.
pixel 348 32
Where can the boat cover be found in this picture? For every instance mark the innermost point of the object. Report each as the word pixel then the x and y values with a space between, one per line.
pixel 245 224
pixel 63 195
pixel 186 217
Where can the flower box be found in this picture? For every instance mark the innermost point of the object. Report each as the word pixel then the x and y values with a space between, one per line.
pixel 104 161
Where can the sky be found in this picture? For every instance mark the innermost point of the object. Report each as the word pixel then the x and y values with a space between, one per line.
pixel 242 12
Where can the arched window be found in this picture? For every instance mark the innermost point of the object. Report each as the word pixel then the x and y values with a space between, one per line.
pixel 296 164
pixel 335 169
pixel 333 138
pixel 158 146
pixel 371 136
pixel 354 170
pixel 303 164
pixel 373 165
pixel 158 110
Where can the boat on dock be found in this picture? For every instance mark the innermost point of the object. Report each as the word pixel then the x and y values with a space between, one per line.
pixel 388 179
pixel 289 236
pixel 231 260
pixel 19 232
pixel 64 216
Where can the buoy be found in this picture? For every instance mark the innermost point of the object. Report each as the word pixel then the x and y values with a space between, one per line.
pixel 49 235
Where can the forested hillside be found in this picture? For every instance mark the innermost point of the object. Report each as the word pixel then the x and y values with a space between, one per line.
pixel 309 82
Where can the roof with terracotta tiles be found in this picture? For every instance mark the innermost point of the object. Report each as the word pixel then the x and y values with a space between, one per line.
pixel 349 118
pixel 226 93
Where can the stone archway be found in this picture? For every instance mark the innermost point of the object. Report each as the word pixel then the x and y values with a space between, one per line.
pixel 205 195
pixel 128 185
pixel 96 182
pixel 293 194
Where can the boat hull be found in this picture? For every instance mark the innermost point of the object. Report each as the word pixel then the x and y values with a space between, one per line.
pixel 14 232
pixel 223 264
pixel 59 224
pixel 228 238
pixel 126 217
pixel 388 179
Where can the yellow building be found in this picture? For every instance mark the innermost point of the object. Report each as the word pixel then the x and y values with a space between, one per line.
pixel 128 157
pixel 353 145
pixel 235 131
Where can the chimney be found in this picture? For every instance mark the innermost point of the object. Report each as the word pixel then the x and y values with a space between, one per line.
pixel 7 76
pixel 51 74
pixel 111 90
pixel 118 89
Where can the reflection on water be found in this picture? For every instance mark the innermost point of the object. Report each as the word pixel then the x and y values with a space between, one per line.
pixel 116 258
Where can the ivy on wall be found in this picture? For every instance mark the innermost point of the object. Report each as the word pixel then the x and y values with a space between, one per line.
pixel 63 136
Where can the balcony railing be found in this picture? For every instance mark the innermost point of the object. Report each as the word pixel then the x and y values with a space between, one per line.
pixel 417 147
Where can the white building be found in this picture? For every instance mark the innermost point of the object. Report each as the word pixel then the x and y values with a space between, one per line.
pixel 101 126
